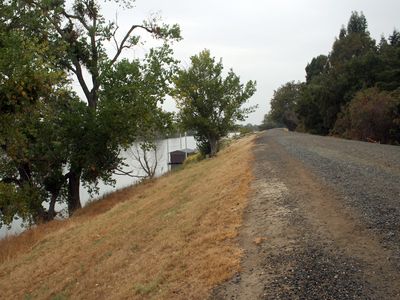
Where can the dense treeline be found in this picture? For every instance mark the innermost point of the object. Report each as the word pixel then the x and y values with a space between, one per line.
pixel 353 92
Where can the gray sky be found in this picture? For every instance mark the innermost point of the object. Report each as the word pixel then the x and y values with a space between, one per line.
pixel 267 41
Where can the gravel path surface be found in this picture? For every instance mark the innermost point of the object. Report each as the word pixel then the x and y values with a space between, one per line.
pixel 367 175
pixel 323 221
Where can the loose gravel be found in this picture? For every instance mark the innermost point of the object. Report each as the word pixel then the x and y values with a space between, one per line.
pixel 327 213
pixel 367 175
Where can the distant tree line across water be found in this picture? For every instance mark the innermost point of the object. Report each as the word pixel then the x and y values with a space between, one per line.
pixel 352 92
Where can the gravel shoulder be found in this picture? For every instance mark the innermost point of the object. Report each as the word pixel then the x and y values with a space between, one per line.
pixel 322 222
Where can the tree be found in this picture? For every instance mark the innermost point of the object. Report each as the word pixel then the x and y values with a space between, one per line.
pixel 352 91
pixel 357 23
pixel 332 81
pixel 317 66
pixel 308 108
pixel 50 140
pixel 146 155
pixel 394 38
pixel 388 75
pixel 355 42
pixel 81 32
pixel 283 105
pixel 209 103
pixel 31 90
pixel 268 123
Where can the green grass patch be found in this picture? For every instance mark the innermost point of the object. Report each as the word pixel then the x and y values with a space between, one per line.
pixel 149 287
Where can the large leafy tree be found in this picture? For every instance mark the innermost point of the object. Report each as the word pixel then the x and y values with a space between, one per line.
pixel 31 91
pixel 51 140
pixel 82 32
pixel 210 104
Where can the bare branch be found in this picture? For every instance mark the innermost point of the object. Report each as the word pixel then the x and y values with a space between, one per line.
pixel 129 173
pixel 122 45
pixel 115 40
pixel 71 68
pixel 142 157
pixel 80 19
pixel 79 75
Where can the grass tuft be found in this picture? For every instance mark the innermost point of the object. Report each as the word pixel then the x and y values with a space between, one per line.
pixel 149 287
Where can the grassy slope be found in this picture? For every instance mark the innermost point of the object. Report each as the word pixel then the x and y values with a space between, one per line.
pixel 172 238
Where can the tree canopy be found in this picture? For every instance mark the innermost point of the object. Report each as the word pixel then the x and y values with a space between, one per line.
pixel 208 103
pixel 358 74
pixel 283 105
pixel 51 140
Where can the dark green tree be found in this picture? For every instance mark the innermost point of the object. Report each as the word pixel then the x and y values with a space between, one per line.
pixel 332 82
pixel 331 102
pixel 317 66
pixel 394 38
pixel 357 23
pixel 50 140
pixel 32 156
pixel 82 33
pixel 388 75
pixel 283 105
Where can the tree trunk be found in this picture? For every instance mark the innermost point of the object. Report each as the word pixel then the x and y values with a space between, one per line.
pixel 51 213
pixel 74 201
pixel 213 146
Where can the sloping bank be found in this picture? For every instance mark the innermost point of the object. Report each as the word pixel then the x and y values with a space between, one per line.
pixel 173 238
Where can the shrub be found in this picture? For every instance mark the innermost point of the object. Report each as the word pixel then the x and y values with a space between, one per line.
pixel 372 115
pixel 193 158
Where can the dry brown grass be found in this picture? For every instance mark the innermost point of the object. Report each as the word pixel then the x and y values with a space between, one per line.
pixel 172 238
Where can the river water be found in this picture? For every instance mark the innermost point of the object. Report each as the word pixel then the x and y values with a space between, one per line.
pixel 163 148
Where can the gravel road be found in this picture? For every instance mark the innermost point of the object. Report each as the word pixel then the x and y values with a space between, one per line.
pixel 323 221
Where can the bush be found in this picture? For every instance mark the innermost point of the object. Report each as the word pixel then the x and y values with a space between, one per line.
pixel 372 115
pixel 203 145
pixel 245 130
pixel 193 158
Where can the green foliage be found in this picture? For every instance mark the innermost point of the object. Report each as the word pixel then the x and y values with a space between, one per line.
pixel 268 123
pixel 32 155
pixel 309 109
pixel 316 67
pixel 50 140
pixel 149 287
pixel 357 23
pixel 193 159
pixel 246 129
pixel 283 105
pixel 209 103
pixel 330 101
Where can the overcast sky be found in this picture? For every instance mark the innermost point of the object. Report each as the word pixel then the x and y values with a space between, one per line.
pixel 267 41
